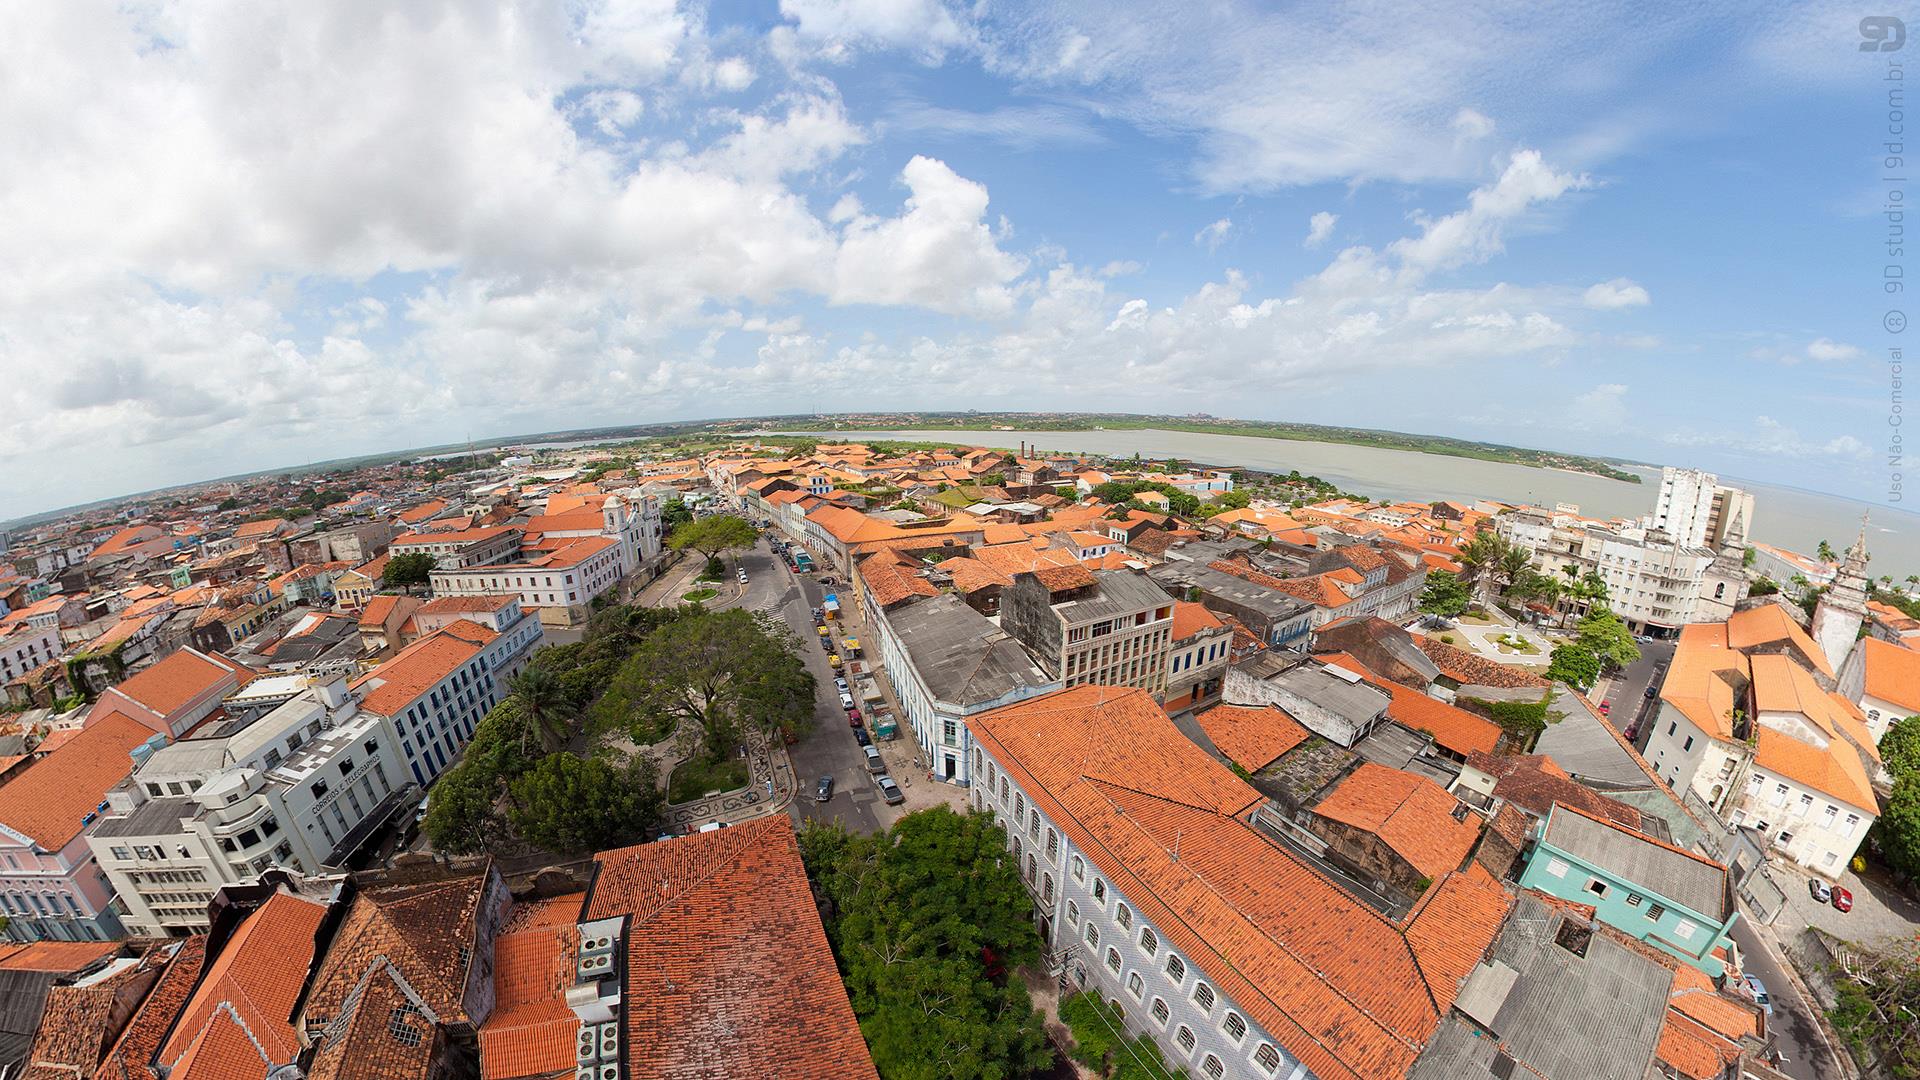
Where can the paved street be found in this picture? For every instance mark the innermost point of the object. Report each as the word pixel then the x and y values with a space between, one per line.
pixel 1795 1033
pixel 1628 689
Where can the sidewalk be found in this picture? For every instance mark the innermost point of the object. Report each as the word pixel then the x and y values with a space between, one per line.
pixel 770 788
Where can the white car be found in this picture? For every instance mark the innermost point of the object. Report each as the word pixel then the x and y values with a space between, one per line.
pixel 846 700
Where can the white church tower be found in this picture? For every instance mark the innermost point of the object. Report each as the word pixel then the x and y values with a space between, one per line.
pixel 1843 607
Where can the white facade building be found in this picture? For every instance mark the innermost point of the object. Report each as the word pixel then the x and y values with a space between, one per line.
pixel 433 693
pixel 302 786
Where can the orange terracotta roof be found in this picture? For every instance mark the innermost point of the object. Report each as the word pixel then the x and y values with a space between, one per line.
pixel 179 678
pixel 379 608
pixel 424 512
pixel 1411 814
pixel 531 1030
pixel 48 800
pixel 1061 578
pixel 253 530
pixel 1533 782
pixel 726 920
pixel 238 1024
pixel 1343 988
pixel 1471 669
pixel 890 579
pixel 464 536
pixel 126 538
pixel 1022 555
pixel 1892 673
pixel 1252 737
pixel 64 957
pixel 137 1043
pixel 446 605
pixel 1190 619
pixel 971 575
pixel 397 683
pixel 1452 727
pixel 1770 623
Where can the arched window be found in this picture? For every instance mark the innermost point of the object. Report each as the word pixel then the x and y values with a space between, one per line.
pixel 1160 1011
pixel 1123 915
pixel 1079 868
pixel 1053 845
pixel 1019 808
pixel 1100 892
pixel 1267 1058
pixel 1176 968
pixel 1235 1027
pixel 1184 1037
pixel 1046 890
pixel 1211 1068
pixel 1149 941
pixel 1113 960
pixel 1203 997
pixel 1135 986
pixel 1073 913
pixel 1093 935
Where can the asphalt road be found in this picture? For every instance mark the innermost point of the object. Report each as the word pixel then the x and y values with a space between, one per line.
pixel 1628 690
pixel 1791 1023
pixel 829 749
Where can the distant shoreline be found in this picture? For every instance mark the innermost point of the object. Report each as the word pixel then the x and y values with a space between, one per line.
pixel 1440 446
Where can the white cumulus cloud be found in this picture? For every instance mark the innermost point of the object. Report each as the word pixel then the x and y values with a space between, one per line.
pixel 1618 293
pixel 1319 227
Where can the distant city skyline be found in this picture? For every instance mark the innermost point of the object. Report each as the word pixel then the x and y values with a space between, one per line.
pixel 243 237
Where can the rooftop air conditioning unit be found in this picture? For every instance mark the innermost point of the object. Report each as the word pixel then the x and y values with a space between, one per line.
pixel 609 1071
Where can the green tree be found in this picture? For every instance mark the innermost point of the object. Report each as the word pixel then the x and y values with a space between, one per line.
pixel 920 917
pixel 712 535
pixel 1763 587
pixel 409 569
pixel 1900 747
pixel 549 709
pixel 1480 560
pixel 229 503
pixel 726 671
pixel 1575 665
pixel 1896 835
pixel 461 815
pixel 1606 637
pixel 1444 595
pixel 673 514
pixel 1232 500
pixel 1826 553
pixel 1749 556
pixel 1515 563
pixel 1101 1043
pixel 573 805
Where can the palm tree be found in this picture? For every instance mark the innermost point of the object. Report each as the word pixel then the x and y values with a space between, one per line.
pixel 545 703
pixel 1826 552
pixel 1515 562
pixel 1480 562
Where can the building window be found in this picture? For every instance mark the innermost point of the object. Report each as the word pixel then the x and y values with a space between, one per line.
pixel 1267 1058
pixel 1212 1068
pixel 1853 822
pixel 1073 913
pixel 1160 1011
pixel 1113 960
pixel 1135 985
pixel 1100 892
pixel 1123 915
pixel 1654 912
pixel 1093 935
pixel 1053 845
pixel 1203 997
pixel 1684 931
pixel 1079 868
pixel 1184 1038
pixel 1235 1027
pixel 1046 891
pixel 1149 941
pixel 1176 968
pixel 1596 887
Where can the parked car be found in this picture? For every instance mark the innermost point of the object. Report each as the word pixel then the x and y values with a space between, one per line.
pixel 1842 899
pixel 1606 707
pixel 823 790
pixel 889 790
pixel 743 577
pixel 840 684
pixel 846 700
pixel 1819 891
pixel 853 717
pixel 1651 692
pixel 860 736
pixel 713 826
pixel 833 660
pixel 1760 996
pixel 874 764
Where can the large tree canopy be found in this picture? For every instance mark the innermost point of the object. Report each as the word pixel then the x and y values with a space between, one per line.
pixel 729 672
pixel 712 535
pixel 1445 594
pixel 916 916
pixel 1605 636
pixel 573 805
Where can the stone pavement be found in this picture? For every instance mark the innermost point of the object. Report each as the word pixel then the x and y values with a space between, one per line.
pixel 770 788
pixel 1881 912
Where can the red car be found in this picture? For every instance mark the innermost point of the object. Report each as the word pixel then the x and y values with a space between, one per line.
pixel 853 717
pixel 1842 899
pixel 1606 707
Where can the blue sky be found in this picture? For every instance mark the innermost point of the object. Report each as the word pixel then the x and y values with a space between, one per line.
pixel 309 231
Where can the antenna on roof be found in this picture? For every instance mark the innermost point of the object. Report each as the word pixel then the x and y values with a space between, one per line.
pixel 1176 845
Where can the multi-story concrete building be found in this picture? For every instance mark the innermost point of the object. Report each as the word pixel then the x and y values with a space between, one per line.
pixel 51 888
pixel 301 786
pixel 520 632
pixel 1110 627
pixel 433 693
pixel 1749 722
pixel 1697 510
pixel 1200 650
pixel 949 663
pixel 1156 887
pixel 469 547
pixel 1653 583
pixel 25 647
pixel 352 544
pixel 558 584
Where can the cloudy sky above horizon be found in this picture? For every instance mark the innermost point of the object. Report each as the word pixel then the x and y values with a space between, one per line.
pixel 247 236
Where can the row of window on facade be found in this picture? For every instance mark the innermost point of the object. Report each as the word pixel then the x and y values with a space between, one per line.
pixel 1027 820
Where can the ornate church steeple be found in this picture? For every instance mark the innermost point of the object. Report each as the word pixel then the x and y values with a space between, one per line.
pixel 1843 607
